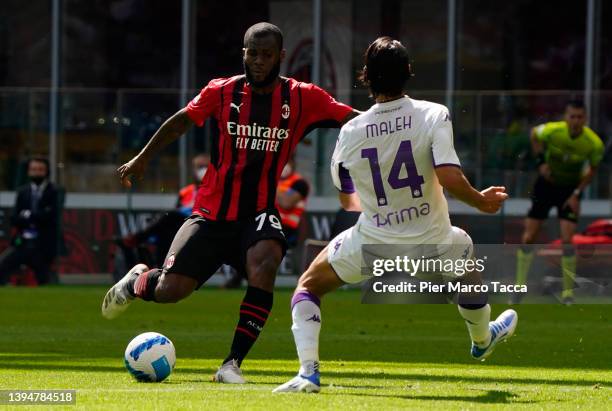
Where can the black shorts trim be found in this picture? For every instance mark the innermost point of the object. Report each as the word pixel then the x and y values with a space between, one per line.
pixel 201 246
pixel 546 195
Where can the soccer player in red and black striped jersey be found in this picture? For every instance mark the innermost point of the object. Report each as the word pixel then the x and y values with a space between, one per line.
pixel 261 117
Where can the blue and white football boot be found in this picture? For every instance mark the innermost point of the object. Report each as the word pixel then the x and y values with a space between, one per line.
pixel 501 329
pixel 300 383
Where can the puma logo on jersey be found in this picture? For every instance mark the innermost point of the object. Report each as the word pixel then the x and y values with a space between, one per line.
pixel 232 105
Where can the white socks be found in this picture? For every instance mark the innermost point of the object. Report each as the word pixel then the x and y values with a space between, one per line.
pixel 306 326
pixel 477 322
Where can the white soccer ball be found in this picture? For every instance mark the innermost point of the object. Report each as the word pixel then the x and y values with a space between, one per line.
pixel 150 357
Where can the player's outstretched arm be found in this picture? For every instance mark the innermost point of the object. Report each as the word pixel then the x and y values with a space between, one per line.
pixel 173 128
pixel 455 182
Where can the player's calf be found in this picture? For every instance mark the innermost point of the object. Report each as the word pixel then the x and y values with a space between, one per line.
pixel 153 285
pixel 171 288
pixel 320 278
pixel 263 260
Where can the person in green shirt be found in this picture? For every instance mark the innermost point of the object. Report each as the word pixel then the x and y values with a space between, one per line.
pixel 568 154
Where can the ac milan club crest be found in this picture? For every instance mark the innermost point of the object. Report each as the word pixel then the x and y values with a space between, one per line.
pixel 285 111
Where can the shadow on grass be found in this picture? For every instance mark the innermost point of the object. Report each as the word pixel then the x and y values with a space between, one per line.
pixel 423 358
pixel 489 397
pixel 435 378
pixel 22 363
pixel 84 367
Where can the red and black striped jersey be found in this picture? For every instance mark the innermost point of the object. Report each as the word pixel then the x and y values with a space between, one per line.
pixel 257 135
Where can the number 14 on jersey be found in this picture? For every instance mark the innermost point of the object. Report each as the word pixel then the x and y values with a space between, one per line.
pixel 403 157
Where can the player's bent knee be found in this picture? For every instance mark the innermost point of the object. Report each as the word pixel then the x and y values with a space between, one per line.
pixel 319 279
pixel 173 288
pixel 309 282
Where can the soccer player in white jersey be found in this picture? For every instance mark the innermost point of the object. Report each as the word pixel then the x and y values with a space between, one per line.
pixel 393 162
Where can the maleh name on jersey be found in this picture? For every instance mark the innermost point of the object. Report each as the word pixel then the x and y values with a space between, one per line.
pixel 388 127
pixel 267 137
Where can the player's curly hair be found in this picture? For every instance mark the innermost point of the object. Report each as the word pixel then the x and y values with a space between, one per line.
pixel 386 67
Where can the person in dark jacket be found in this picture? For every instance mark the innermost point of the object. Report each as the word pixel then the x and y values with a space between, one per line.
pixel 35 224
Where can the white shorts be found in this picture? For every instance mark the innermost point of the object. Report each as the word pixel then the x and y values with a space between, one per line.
pixel 344 252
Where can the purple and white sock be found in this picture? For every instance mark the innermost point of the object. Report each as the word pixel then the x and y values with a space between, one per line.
pixel 306 314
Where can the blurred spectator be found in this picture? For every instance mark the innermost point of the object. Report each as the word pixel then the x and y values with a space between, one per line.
pixel 162 230
pixel 291 195
pixel 35 223
pixel 187 194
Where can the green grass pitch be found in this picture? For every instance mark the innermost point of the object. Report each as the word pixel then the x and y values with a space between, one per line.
pixel 373 357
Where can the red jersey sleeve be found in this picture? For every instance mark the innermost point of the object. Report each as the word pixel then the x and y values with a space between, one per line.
pixel 206 103
pixel 321 107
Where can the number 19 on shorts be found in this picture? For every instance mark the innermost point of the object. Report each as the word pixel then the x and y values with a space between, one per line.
pixel 274 221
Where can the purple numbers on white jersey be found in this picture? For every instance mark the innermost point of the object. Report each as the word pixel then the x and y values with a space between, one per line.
pixel 405 157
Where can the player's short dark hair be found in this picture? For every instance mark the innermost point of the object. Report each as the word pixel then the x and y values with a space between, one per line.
pixel 575 104
pixel 40 159
pixel 264 29
pixel 386 67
